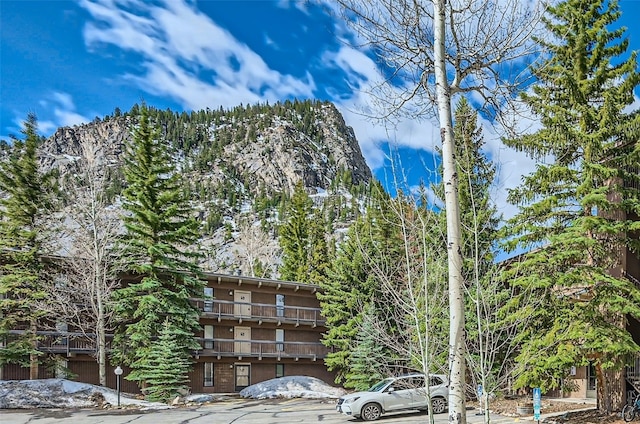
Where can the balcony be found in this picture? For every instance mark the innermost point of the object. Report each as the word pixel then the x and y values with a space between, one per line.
pixel 259 312
pixel 261 349
pixel 69 343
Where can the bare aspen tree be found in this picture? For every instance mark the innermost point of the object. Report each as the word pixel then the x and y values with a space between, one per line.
pixel 79 299
pixel 433 50
pixel 253 245
pixel 490 352
pixel 415 289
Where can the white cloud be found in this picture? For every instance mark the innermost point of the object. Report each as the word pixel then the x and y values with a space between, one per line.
pixel 359 110
pixel 187 56
pixel 63 109
pixel 425 135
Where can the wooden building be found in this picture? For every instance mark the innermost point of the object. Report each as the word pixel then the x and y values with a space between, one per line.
pixel 253 329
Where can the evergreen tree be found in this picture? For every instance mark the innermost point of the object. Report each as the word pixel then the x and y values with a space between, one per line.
pixel 478 214
pixel 369 359
pixel 367 278
pixel 22 234
pixel 295 237
pixel 319 254
pixel 159 229
pixel 489 346
pixel 165 369
pixel 574 208
pixel 348 287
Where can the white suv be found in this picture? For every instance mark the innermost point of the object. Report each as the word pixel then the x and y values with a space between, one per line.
pixel 396 394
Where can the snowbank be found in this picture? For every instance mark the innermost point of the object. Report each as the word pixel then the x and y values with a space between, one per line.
pixel 60 393
pixel 292 387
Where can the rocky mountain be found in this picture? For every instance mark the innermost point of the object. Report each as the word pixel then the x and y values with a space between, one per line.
pixel 240 167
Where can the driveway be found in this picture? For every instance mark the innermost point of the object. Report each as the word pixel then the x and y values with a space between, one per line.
pixel 237 411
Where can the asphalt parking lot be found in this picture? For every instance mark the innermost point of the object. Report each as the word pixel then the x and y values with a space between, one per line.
pixel 237 411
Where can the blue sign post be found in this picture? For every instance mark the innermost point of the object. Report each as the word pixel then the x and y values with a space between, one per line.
pixel 480 399
pixel 537 404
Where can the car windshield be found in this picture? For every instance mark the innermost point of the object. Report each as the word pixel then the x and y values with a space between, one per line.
pixel 380 385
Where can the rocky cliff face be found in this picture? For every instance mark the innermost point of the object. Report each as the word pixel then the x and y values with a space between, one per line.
pixel 232 158
pixel 65 146
pixel 277 156
pixel 281 155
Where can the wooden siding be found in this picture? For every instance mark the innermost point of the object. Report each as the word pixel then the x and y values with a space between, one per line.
pixel 301 352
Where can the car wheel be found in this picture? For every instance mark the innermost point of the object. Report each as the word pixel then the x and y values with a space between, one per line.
pixel 371 412
pixel 439 405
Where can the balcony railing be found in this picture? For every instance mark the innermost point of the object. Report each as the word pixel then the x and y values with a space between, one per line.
pixel 262 349
pixel 65 342
pixel 225 309
pixel 68 343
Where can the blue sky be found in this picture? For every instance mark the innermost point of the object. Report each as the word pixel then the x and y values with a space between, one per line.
pixel 70 61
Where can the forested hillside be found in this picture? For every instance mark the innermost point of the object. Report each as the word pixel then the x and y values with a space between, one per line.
pixel 239 169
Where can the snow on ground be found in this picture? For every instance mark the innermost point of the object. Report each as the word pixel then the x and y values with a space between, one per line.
pixel 60 393
pixel 292 387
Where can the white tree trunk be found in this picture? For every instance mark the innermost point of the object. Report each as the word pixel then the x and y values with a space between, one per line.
pixel 457 408
pixel 101 330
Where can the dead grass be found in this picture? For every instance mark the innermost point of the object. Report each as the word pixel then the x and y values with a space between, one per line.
pixel 568 412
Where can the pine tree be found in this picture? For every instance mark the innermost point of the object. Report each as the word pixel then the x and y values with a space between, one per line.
pixel 319 255
pixel 348 287
pixel 159 229
pixel 476 173
pixel 372 248
pixel 369 359
pixel 22 235
pixel 295 237
pixel 574 207
pixel 165 369
pixel 488 339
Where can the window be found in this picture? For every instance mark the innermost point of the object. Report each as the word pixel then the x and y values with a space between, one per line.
pixel 208 303
pixel 591 377
pixel 435 381
pixel 279 305
pixel 208 336
pixel 279 340
pixel 208 374
pixel 279 370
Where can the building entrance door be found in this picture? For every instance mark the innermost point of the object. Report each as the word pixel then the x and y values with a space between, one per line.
pixel 240 334
pixel 243 376
pixel 242 304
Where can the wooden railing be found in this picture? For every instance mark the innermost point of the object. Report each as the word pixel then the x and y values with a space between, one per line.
pixel 262 348
pixel 225 309
pixel 65 342
pixel 68 343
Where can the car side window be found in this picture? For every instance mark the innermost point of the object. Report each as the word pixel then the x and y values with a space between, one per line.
pixel 435 381
pixel 417 382
pixel 400 384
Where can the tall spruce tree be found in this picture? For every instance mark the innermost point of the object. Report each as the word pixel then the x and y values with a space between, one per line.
pixel 160 229
pixel 305 253
pixel 22 235
pixel 478 214
pixel 349 287
pixel 383 277
pixel 575 206
pixel 489 348
pixel 319 256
